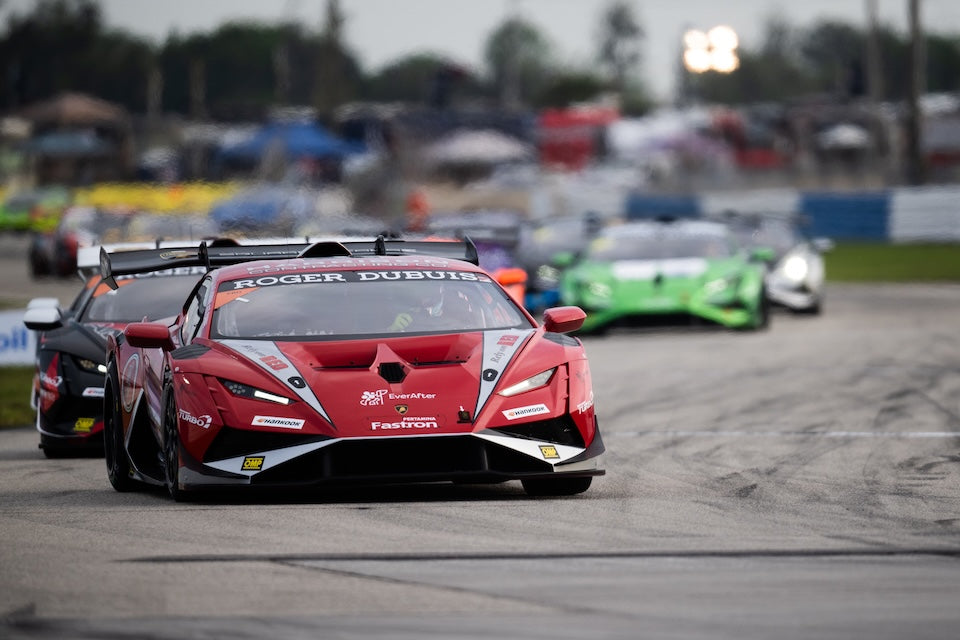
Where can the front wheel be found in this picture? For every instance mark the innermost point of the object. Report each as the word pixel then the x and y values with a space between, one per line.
pixel 114 453
pixel 171 445
pixel 556 486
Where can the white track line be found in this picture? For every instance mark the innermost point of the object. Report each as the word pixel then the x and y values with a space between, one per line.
pixel 785 434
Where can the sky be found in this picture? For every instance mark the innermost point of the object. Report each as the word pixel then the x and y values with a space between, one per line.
pixel 379 31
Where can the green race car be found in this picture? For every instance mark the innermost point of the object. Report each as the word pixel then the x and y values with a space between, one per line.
pixel 657 272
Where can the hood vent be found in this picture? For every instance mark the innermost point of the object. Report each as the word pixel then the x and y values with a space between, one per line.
pixel 392 372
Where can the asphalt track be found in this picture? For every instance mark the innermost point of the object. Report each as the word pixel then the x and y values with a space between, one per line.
pixel 802 482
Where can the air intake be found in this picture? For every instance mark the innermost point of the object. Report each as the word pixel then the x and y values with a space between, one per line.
pixel 392 372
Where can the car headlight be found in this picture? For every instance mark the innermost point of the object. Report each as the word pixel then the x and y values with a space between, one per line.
pixel 548 275
pixel 795 268
pixel 599 289
pixel 246 391
pixel 90 366
pixel 533 382
pixel 714 287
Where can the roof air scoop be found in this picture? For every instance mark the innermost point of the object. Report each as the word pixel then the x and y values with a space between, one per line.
pixel 324 249
pixel 392 372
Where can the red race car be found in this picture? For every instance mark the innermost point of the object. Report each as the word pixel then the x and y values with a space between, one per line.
pixel 353 362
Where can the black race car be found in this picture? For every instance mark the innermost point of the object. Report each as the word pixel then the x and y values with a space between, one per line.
pixel 71 348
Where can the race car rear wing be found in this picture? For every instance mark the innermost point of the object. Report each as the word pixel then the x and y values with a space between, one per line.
pixel 224 252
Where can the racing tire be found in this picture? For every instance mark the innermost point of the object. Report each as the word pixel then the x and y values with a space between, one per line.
pixel 118 464
pixel 556 486
pixel 172 446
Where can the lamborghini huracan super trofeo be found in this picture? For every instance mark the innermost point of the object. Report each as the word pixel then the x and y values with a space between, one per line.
pixel 354 362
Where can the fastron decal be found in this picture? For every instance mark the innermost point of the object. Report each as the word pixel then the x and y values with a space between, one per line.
pixel 276 421
pixel 523 412
pixel 376 425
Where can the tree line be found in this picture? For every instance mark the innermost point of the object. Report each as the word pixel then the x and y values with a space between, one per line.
pixel 240 69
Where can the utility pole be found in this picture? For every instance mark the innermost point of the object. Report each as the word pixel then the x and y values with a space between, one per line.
pixel 916 173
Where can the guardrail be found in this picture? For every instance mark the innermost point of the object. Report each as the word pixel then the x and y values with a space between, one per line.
pixel 908 214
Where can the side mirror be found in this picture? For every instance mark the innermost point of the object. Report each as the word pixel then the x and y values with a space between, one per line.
pixel 823 245
pixel 563 319
pixel 149 335
pixel 43 318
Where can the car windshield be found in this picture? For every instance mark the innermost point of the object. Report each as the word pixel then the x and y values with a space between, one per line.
pixel 774 234
pixel 342 304
pixel 148 296
pixel 659 245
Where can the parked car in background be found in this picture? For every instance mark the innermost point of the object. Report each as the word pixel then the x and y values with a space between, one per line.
pixel 658 272
pixel 54 253
pixel 796 269
pixel 34 210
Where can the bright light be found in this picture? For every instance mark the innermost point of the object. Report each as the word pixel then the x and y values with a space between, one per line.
pixel 724 61
pixel 715 50
pixel 696 60
pixel 723 38
pixel 695 39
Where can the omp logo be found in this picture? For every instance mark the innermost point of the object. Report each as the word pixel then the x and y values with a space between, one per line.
pixel 380 426
pixel 252 463
pixel 200 421
pixel 371 398
pixel 523 412
pixel 51 381
pixel 275 421
pixel 549 452
pixel 83 425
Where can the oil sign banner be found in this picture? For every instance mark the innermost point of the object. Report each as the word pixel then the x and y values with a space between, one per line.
pixel 17 343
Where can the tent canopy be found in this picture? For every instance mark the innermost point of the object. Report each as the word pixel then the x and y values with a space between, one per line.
pixel 297 139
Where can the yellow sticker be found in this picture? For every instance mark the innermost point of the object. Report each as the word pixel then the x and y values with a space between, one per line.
pixel 83 425
pixel 252 463
pixel 549 452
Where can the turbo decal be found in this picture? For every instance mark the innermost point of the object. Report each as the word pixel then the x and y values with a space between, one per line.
pixel 200 421
pixel 499 348
pixel 523 412
pixel 257 351
pixel 275 421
